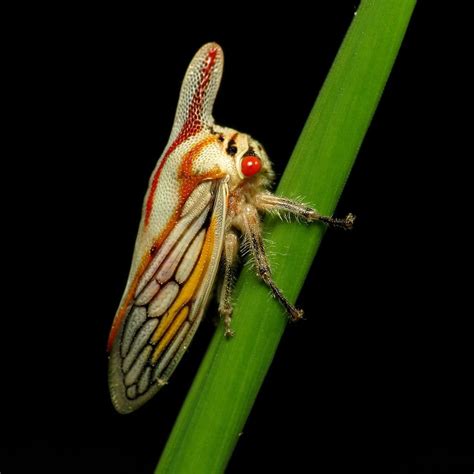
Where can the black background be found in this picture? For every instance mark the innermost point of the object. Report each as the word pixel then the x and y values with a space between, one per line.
pixel 377 379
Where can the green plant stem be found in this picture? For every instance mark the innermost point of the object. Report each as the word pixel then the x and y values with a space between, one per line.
pixel 228 381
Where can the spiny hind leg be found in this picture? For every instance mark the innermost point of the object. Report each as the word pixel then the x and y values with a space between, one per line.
pixel 253 238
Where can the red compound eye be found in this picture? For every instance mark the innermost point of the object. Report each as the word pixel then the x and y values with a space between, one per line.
pixel 251 165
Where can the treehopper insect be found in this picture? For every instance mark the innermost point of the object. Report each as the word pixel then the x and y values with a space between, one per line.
pixel 205 196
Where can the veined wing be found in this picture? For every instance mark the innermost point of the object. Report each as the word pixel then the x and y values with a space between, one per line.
pixel 169 300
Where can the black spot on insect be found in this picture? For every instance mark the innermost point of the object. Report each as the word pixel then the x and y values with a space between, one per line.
pixel 249 152
pixel 231 148
pixel 221 138
pixel 153 250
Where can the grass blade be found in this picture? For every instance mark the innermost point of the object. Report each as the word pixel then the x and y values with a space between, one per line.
pixel 232 372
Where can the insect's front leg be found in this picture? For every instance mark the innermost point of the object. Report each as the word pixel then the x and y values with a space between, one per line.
pixel 268 202
pixel 229 259
pixel 253 238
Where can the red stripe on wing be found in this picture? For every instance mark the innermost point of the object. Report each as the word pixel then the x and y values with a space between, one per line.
pixel 192 125
pixel 188 184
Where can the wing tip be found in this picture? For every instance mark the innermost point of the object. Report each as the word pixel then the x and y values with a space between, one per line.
pixel 117 389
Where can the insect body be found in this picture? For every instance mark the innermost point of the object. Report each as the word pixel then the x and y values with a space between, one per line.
pixel 207 190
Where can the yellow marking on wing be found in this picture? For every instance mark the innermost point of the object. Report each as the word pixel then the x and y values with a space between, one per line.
pixel 173 329
pixel 189 181
pixel 190 287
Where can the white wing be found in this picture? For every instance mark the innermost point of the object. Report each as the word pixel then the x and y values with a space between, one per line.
pixel 169 301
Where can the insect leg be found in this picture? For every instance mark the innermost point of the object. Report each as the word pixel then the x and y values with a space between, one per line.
pixel 253 237
pixel 268 202
pixel 229 257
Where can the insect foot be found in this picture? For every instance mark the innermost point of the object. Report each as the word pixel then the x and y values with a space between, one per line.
pixel 345 223
pixel 296 315
pixel 350 219
pixel 226 316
